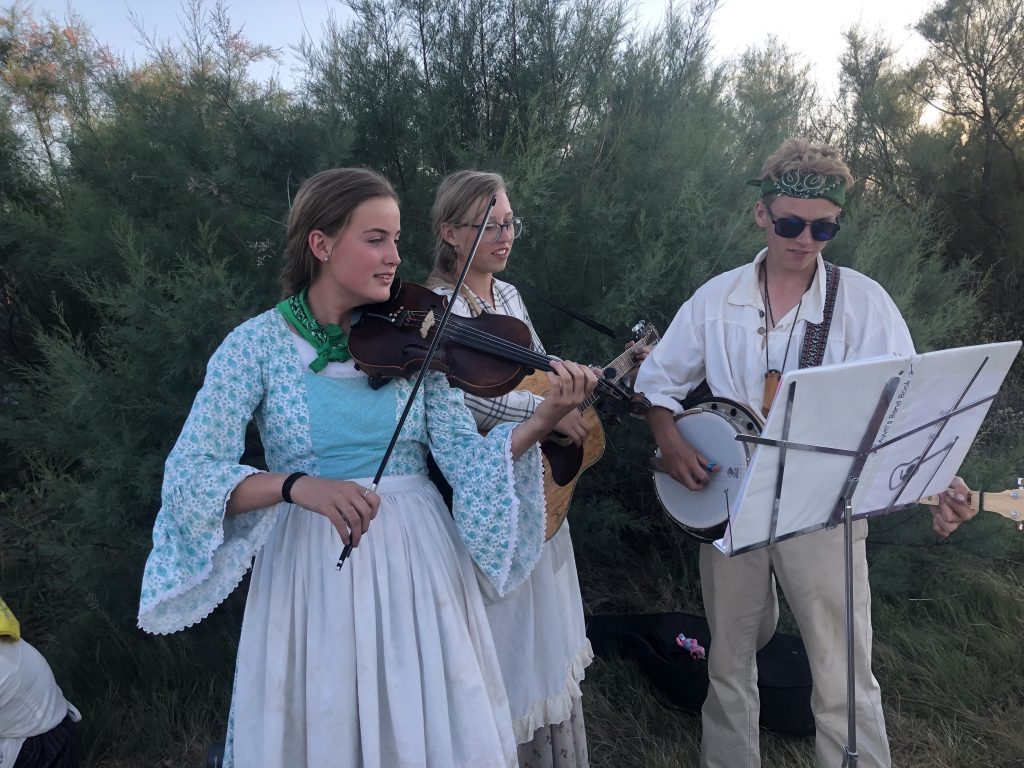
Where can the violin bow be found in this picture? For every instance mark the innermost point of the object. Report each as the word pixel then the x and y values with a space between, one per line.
pixel 434 342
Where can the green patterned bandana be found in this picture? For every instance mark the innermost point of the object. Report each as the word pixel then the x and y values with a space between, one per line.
pixel 804 185
pixel 331 343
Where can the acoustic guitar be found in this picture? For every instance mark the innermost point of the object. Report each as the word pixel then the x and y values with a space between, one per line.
pixel 564 461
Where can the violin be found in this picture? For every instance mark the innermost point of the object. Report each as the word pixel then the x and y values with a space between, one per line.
pixel 488 355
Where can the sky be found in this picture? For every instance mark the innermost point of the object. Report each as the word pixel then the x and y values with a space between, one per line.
pixel 815 29
pixel 811 27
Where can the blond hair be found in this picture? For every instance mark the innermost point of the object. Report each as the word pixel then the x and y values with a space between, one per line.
pixel 325 202
pixel 458 197
pixel 804 156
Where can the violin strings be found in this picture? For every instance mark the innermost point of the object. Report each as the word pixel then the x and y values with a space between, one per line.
pixel 502 348
pixel 487 342
pixel 460 331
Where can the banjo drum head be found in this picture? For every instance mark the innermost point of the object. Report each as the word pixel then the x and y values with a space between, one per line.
pixel 711 429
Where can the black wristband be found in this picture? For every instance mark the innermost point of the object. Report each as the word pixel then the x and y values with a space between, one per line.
pixel 286 486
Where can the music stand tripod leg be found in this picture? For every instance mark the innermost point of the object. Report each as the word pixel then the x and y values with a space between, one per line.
pixel 850 749
pixel 845 503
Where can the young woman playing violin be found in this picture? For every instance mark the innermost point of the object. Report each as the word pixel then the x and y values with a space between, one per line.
pixel 538 629
pixel 389 662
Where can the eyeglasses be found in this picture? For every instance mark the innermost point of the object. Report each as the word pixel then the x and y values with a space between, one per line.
pixel 790 227
pixel 493 231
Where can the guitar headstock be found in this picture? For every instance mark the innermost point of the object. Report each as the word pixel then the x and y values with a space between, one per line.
pixel 645 334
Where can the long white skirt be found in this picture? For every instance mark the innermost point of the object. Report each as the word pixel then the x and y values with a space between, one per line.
pixel 541 638
pixel 386 664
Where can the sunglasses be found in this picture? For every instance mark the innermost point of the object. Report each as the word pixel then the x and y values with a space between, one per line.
pixel 790 227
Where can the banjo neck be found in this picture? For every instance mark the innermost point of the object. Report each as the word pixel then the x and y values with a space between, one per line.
pixel 1008 503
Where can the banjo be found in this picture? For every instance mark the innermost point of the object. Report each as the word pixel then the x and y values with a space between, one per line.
pixel 711 427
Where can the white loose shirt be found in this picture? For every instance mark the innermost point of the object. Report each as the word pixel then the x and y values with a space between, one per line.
pixel 715 336
pixel 31 702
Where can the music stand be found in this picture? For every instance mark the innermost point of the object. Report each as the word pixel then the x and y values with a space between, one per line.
pixel 921 414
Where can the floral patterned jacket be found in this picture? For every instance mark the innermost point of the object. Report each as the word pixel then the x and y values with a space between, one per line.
pixel 200 554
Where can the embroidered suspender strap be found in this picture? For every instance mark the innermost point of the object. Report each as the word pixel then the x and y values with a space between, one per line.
pixel 816 337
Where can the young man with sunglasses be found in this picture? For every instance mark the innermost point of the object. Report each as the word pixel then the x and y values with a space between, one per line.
pixel 739 332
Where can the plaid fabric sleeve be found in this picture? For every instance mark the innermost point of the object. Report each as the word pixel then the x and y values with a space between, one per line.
pixel 518 405
pixel 511 303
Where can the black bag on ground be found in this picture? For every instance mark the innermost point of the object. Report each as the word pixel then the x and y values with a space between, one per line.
pixel 783 674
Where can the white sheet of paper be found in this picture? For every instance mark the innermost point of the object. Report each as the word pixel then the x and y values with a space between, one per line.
pixel 833 406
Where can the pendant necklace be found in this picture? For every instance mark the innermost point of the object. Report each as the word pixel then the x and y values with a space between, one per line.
pixel 772 376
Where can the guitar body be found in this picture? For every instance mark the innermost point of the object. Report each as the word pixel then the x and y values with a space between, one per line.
pixel 563 461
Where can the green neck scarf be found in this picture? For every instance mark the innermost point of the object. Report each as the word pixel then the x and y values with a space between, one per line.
pixel 331 343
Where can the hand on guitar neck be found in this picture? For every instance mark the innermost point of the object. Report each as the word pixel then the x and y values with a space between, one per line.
pixel 574 426
pixel 952 508
pixel 563 399
pixel 959 503
pixel 638 352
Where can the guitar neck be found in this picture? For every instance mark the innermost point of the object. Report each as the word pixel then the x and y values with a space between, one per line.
pixel 621 365
pixel 606 384
pixel 1009 503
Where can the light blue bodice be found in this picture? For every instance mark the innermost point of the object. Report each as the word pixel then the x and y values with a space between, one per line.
pixel 351 426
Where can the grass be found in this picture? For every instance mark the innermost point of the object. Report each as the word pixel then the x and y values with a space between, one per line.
pixel 948 621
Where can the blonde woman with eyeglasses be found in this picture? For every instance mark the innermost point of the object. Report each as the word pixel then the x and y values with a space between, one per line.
pixel 539 631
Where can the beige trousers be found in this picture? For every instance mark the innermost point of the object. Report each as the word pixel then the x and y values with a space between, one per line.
pixel 739 598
